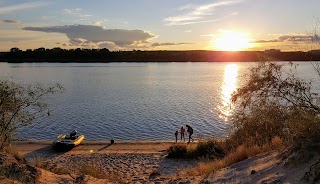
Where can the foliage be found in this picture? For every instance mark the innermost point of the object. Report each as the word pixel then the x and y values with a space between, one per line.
pixel 104 55
pixel 177 151
pixel 209 149
pixel 274 102
pixel 19 106
pixel 236 155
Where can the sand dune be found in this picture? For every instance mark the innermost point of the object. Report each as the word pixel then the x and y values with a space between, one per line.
pixel 145 162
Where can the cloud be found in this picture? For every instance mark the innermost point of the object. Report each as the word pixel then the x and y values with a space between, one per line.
pixel 266 41
pixel 197 14
pixel 78 12
pixel 10 22
pixel 95 35
pixel 292 38
pixel 22 6
pixel 157 44
pixel 99 22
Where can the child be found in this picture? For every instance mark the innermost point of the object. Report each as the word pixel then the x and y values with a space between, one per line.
pixel 176 134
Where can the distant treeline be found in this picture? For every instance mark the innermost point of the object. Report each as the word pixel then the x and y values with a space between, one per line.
pixel 15 55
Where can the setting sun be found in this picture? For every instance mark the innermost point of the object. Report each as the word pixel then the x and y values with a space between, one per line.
pixel 232 41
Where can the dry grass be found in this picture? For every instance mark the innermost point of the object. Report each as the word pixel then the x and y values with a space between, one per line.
pixel 210 149
pixel 15 153
pixel 37 161
pixel 277 142
pixel 241 153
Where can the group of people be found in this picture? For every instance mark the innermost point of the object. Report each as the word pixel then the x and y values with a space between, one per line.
pixel 182 133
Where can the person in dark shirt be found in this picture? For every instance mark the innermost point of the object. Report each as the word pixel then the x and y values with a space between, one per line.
pixel 176 135
pixel 190 132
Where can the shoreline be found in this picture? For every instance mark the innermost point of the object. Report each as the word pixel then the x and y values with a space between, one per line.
pixel 32 149
pixel 129 161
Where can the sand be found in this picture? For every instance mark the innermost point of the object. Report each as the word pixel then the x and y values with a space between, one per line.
pixel 145 162
pixel 130 162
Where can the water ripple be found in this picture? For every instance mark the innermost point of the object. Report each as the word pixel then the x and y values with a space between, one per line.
pixel 127 101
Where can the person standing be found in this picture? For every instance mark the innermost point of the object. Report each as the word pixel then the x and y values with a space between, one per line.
pixel 176 135
pixel 190 132
pixel 182 130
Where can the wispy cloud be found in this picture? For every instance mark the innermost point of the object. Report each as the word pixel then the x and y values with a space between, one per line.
pixel 22 6
pixel 292 38
pixel 156 44
pixel 197 13
pixel 78 12
pixel 10 22
pixel 86 35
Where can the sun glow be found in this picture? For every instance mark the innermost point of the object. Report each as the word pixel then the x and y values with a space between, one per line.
pixel 232 41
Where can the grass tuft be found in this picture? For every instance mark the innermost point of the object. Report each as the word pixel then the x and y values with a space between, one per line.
pixel 239 154
pixel 276 142
pixel 209 149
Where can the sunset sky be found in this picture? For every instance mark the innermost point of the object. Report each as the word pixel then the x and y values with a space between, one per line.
pixel 160 24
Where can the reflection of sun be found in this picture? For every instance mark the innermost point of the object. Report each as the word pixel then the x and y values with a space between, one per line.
pixel 229 85
pixel 232 41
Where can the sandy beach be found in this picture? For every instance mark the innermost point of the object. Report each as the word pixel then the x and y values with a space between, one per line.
pixel 137 162
pixel 145 162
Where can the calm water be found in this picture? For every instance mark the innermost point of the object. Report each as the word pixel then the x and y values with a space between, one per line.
pixel 135 101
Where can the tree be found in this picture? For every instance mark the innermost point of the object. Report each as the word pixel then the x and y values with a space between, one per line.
pixel 19 106
pixel 15 50
pixel 275 102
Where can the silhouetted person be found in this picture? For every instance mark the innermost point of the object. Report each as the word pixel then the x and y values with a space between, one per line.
pixel 182 134
pixel 190 132
pixel 176 135
pixel 73 134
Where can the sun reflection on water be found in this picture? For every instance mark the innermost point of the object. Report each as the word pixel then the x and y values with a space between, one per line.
pixel 228 86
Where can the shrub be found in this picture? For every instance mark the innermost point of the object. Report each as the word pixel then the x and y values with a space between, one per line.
pixel 274 103
pixel 276 142
pixel 177 151
pixel 19 106
pixel 209 149
pixel 37 161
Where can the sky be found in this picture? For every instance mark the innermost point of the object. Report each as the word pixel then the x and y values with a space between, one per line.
pixel 288 25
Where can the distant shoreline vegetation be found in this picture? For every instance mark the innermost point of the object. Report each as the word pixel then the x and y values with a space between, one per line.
pixel 15 55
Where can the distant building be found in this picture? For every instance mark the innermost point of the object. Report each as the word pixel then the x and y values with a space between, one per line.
pixel 272 51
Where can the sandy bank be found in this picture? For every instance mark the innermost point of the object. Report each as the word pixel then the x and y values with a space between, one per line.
pixel 134 161
pixel 145 162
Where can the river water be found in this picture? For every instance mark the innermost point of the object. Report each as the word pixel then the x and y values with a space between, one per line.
pixel 135 101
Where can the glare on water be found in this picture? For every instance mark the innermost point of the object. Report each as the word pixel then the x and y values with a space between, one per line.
pixel 229 85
